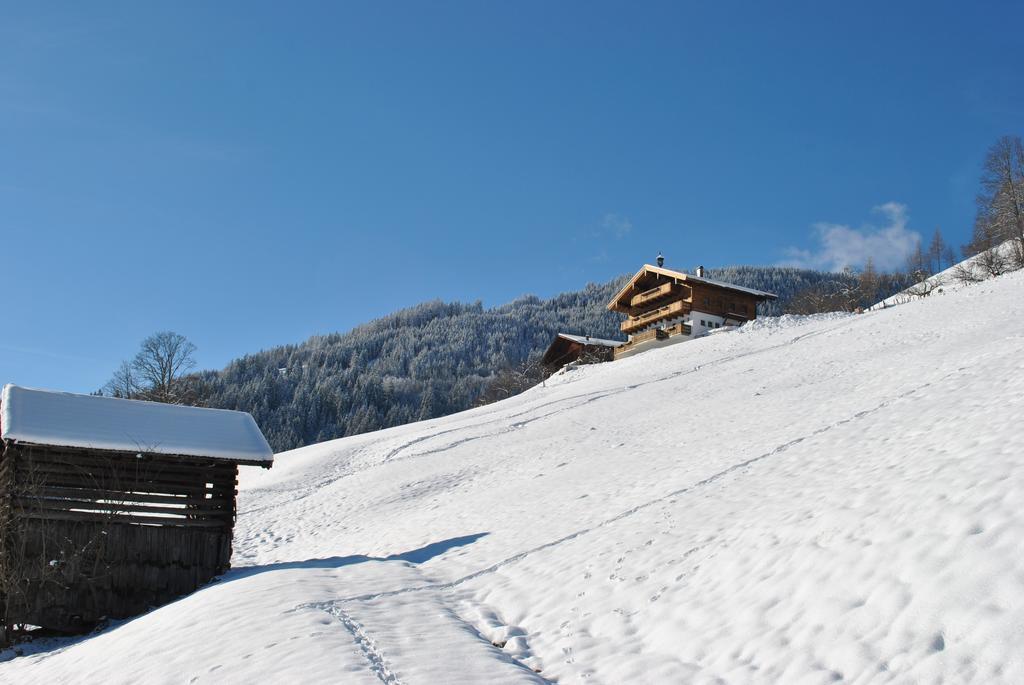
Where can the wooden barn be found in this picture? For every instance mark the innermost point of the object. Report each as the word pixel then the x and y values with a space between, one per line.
pixel 664 306
pixel 566 348
pixel 109 507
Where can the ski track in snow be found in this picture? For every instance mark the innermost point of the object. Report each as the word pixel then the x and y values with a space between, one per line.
pixel 374 657
pixel 710 480
pixel 587 398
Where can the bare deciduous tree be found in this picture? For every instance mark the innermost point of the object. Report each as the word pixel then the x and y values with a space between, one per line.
pixel 992 262
pixel 965 274
pixel 157 372
pixel 1000 216
pixel 948 256
pixel 917 265
pixel 989 257
pixel 869 282
pixel 830 296
pixel 123 383
pixel 161 362
pixel 1001 201
pixel 926 286
pixel 936 251
pixel 1015 254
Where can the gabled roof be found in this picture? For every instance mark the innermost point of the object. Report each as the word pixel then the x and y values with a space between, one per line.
pixel 562 346
pixel 587 340
pixel 679 275
pixel 61 419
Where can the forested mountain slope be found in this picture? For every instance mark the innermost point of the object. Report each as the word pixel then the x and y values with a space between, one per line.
pixel 426 361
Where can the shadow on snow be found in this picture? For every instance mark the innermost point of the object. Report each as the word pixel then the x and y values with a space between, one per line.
pixel 415 556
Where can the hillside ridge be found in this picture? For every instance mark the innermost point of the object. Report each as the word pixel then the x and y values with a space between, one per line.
pixel 430 360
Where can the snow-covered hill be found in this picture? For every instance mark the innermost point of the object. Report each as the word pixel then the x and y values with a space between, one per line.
pixel 962 275
pixel 803 500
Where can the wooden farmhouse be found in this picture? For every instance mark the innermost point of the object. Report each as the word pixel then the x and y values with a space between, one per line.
pixel 567 348
pixel 109 507
pixel 663 307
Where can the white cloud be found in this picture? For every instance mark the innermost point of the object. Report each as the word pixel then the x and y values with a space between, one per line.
pixel 616 225
pixel 841 246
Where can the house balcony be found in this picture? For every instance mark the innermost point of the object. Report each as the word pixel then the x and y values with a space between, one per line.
pixel 661 333
pixel 640 341
pixel 649 297
pixel 668 311
pixel 678 329
pixel 646 336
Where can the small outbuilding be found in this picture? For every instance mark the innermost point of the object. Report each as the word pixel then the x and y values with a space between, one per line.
pixel 109 507
pixel 566 348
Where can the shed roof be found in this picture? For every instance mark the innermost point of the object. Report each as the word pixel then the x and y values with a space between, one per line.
pixel 61 419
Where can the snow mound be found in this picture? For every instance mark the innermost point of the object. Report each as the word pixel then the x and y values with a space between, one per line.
pixel 808 500
pixel 789 321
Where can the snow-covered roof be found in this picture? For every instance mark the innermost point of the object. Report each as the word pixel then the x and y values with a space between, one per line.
pixel 46 417
pixel 672 273
pixel 587 340
pixel 731 286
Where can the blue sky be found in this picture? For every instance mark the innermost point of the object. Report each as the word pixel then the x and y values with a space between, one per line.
pixel 249 174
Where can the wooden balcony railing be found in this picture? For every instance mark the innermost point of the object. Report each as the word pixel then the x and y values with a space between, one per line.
pixel 651 296
pixel 660 333
pixel 678 329
pixel 635 323
pixel 651 334
pixel 645 336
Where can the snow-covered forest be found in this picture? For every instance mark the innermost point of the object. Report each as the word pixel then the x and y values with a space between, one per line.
pixel 430 360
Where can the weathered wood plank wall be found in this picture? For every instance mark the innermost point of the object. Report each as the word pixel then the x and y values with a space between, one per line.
pixel 109 534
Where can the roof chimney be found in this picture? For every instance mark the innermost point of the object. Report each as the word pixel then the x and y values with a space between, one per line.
pixel 700 272
pixel 661 260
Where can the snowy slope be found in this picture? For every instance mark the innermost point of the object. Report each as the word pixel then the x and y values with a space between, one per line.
pixel 803 500
pixel 946 281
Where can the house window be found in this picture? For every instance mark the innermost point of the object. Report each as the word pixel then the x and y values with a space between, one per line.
pixel 707 301
pixel 702 323
pixel 732 306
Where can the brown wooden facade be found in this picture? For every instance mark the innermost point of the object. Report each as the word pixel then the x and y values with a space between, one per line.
pixel 660 303
pixel 90 534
